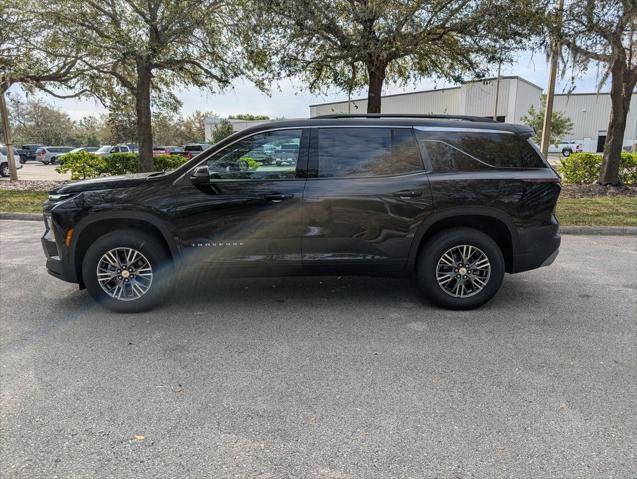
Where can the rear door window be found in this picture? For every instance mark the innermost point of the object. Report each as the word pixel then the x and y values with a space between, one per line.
pixel 469 150
pixel 361 152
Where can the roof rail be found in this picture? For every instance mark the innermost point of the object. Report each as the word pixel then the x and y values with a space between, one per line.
pixel 408 115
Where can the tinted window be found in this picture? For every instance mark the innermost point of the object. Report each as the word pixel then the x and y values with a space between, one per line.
pixel 60 149
pixel 260 156
pixel 367 152
pixel 468 150
pixel 530 155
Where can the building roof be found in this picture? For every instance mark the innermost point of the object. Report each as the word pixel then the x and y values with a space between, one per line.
pixel 510 77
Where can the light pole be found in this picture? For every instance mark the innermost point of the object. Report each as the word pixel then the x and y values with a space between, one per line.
pixel 550 91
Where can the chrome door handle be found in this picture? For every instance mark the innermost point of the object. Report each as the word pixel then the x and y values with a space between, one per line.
pixel 276 197
pixel 407 194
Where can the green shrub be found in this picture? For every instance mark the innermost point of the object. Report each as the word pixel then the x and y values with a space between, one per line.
pixel 584 168
pixel 168 162
pixel 84 165
pixel 122 163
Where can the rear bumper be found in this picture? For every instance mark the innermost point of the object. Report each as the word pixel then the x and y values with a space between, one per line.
pixel 539 246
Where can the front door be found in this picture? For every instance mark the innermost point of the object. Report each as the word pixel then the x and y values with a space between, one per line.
pixel 249 213
pixel 365 200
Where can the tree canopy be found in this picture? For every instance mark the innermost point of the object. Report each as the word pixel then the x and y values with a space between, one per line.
pixel 351 44
pixel 141 50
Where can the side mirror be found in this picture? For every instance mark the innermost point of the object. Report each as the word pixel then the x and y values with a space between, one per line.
pixel 200 176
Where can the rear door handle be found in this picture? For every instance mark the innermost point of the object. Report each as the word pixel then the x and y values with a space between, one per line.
pixel 407 194
pixel 276 197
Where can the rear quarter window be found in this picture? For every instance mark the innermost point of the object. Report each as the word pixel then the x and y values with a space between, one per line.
pixel 451 150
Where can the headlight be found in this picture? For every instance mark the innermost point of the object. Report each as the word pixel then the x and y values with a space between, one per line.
pixel 59 197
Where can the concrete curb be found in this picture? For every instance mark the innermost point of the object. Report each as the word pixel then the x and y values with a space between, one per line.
pixel 599 230
pixel 565 230
pixel 21 216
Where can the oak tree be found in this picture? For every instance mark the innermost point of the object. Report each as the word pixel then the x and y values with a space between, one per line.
pixel 604 32
pixel 145 49
pixel 351 44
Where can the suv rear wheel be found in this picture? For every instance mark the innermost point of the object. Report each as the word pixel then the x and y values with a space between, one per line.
pixel 460 268
pixel 4 169
pixel 127 271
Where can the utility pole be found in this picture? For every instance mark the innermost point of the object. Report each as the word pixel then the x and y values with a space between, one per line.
pixel 550 91
pixel 497 93
pixel 13 173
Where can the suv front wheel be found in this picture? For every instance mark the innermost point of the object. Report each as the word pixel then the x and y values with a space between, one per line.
pixel 127 271
pixel 460 268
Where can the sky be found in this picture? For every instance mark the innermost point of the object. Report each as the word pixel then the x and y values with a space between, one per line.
pixel 287 99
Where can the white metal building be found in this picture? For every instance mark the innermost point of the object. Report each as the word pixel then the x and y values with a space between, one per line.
pixel 237 125
pixel 588 111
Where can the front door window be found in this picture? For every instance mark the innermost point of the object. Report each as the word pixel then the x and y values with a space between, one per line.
pixel 265 156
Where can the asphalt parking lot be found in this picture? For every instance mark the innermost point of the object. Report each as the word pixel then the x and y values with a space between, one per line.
pixel 34 170
pixel 322 377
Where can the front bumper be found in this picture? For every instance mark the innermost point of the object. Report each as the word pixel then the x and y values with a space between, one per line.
pixel 55 264
pixel 539 246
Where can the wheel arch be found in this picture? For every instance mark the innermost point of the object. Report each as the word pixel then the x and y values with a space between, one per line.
pixel 495 223
pixel 95 225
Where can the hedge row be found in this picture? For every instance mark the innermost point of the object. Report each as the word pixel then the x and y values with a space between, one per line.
pixel 84 165
pixel 584 168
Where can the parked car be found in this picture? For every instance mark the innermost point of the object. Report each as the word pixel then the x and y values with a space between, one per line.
pixel 89 149
pixel 196 148
pixel 4 161
pixel 108 150
pixel 566 148
pixel 50 154
pixel 171 150
pixel 28 151
pixel 455 201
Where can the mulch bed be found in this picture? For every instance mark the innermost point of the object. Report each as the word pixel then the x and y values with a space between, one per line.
pixel 591 191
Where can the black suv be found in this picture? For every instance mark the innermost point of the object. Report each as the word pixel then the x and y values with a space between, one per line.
pixel 458 201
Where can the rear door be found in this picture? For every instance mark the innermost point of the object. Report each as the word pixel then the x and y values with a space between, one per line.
pixel 249 214
pixel 365 198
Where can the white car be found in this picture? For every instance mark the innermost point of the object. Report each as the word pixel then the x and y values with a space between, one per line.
pixel 567 148
pixel 4 161
pixel 108 150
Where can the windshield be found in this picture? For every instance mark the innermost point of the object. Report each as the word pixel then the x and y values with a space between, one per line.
pixel 104 149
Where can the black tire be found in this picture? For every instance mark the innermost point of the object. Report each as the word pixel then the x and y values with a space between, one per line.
pixel 566 152
pixel 54 160
pixel 152 249
pixel 440 244
pixel 45 162
pixel 23 160
pixel 4 170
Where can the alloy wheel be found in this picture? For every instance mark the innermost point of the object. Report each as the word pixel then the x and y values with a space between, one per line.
pixel 463 271
pixel 124 274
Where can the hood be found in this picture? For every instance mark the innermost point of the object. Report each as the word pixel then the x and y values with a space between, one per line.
pixel 109 182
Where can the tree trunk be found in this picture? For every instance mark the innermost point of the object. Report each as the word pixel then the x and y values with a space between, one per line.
pixel 376 72
pixel 622 85
pixel 144 117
